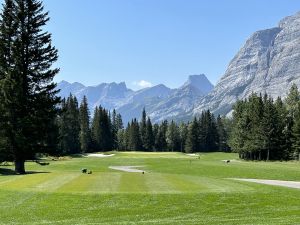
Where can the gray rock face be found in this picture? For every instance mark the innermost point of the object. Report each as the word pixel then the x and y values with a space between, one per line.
pixel 159 101
pixel 199 82
pixel 269 62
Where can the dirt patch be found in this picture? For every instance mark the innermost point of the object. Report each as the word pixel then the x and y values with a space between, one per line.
pixel 282 183
pixel 129 169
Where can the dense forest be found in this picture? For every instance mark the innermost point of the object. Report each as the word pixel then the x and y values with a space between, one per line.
pixel 259 129
pixel 78 133
pixel 264 129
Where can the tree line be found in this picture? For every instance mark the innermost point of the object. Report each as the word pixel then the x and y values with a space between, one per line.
pixel 104 131
pixel 264 129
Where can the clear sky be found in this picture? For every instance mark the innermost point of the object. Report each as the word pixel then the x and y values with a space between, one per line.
pixel 155 41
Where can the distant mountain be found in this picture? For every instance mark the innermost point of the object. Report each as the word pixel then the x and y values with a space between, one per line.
pixel 199 82
pixel 268 62
pixel 108 95
pixel 160 101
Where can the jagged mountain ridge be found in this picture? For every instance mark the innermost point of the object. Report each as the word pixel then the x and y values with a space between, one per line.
pixel 269 62
pixel 160 101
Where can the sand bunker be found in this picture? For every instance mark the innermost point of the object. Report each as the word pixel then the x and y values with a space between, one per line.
pixel 192 154
pixel 130 169
pixel 99 155
pixel 290 184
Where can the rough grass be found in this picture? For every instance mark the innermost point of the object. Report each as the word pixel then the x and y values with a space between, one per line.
pixel 177 189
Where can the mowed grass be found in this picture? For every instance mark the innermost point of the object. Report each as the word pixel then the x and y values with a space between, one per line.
pixel 176 189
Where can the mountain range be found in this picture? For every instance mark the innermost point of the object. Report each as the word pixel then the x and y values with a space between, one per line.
pixel 159 101
pixel 269 62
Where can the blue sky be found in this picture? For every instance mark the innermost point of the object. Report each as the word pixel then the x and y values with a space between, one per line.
pixel 155 41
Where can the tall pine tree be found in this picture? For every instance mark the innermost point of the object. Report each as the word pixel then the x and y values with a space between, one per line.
pixel 84 120
pixel 31 108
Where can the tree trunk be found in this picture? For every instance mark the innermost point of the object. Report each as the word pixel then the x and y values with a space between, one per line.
pixel 268 155
pixel 20 166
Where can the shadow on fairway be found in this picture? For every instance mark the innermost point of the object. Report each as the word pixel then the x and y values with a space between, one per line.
pixel 10 172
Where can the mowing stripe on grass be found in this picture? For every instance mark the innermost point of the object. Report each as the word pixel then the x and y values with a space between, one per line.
pixel 94 183
pixel 56 182
pixel 158 184
pixel 27 182
pixel 133 183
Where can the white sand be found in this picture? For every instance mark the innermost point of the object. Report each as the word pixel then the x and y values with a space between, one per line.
pixel 192 154
pixel 99 155
pixel 130 169
pixel 290 184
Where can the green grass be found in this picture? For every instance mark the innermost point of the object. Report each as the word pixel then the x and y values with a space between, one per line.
pixel 176 189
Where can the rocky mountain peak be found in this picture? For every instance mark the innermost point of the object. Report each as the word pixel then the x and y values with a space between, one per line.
pixel 269 62
pixel 199 82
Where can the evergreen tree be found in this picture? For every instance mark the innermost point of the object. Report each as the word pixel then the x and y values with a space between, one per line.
pixel 270 128
pixel 285 123
pixel 255 142
pixel 192 140
pixel 121 144
pixel 115 129
pixel 106 131
pixel 222 135
pixel 84 118
pixel 96 130
pixel 183 131
pixel 292 100
pixel 172 136
pixel 69 126
pixel 296 133
pixel 134 138
pixel 27 89
pixel 207 133
pixel 143 129
pixel 149 137
pixel 101 130
pixel 8 97
pixel 239 131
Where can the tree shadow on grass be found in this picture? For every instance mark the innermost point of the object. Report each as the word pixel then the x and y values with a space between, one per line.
pixel 10 172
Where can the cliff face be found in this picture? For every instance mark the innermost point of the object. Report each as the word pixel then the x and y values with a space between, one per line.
pixel 268 62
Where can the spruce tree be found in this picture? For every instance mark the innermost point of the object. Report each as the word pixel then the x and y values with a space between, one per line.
pixel 149 137
pixel 172 136
pixel 134 137
pixel 69 126
pixel 8 124
pixel 239 130
pixel 116 125
pixel 96 130
pixel 84 119
pixel 296 133
pixel 114 129
pixel 222 135
pixel 292 100
pixel 285 123
pixel 27 87
pixel 192 140
pixel 183 131
pixel 143 129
